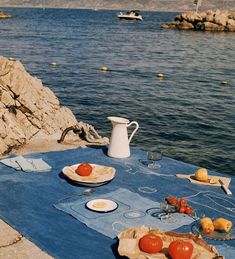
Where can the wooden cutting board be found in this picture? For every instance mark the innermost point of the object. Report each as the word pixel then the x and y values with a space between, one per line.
pixel 212 180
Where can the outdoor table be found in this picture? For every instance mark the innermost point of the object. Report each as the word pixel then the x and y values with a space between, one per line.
pixel 27 200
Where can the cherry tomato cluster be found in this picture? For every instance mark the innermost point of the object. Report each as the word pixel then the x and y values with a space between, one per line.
pixel 180 204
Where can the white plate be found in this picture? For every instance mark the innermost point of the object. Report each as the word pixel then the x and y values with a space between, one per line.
pixel 100 175
pixel 102 205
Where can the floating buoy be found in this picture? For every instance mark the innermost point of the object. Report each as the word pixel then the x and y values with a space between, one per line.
pixel 225 82
pixel 160 75
pixel 104 69
pixel 54 64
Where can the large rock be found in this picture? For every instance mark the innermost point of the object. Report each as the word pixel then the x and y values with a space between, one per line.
pixel 210 21
pixel 221 18
pixel 185 26
pixel 210 26
pixel 230 27
pixel 28 110
pixel 209 16
pixel 4 15
pixel 191 17
pixel 231 15
pixel 170 25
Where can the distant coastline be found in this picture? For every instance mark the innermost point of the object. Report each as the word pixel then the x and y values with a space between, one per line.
pixel 148 5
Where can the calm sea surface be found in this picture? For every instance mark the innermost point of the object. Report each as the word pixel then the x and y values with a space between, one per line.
pixel 188 115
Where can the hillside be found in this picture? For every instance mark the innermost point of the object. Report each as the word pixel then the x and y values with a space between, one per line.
pixel 153 5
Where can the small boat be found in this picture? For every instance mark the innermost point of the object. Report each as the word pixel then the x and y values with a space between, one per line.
pixel 130 15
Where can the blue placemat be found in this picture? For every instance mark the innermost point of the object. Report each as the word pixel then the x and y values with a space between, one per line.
pixel 132 211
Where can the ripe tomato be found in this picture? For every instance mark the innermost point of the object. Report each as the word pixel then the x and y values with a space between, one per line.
pixel 172 200
pixel 150 243
pixel 169 199
pixel 188 210
pixel 183 201
pixel 182 209
pixel 180 249
pixel 175 203
pixel 84 169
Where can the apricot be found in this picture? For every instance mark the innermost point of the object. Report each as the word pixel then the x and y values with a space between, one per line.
pixel 201 175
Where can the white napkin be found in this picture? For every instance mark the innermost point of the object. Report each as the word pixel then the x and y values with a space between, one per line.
pixel 26 164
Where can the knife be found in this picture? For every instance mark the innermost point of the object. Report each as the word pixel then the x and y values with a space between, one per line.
pixel 225 188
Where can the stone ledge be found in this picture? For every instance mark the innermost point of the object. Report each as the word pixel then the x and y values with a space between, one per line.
pixel 30 112
pixel 14 246
pixel 207 21
pixel 4 15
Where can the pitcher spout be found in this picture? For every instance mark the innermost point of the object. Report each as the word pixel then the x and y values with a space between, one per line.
pixel 118 120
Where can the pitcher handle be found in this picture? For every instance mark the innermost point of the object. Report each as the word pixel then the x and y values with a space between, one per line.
pixel 134 131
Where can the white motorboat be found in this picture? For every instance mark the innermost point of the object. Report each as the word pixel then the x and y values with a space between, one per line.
pixel 130 15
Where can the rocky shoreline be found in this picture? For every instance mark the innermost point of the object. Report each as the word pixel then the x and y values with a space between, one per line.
pixel 206 21
pixel 4 15
pixel 31 117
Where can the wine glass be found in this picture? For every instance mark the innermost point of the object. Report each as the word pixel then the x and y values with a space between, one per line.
pixel 152 158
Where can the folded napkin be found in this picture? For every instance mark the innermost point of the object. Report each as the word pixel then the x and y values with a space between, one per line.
pixel 214 180
pixel 26 164
pixel 132 211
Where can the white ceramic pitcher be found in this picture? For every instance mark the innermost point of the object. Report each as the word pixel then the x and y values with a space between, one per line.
pixel 119 141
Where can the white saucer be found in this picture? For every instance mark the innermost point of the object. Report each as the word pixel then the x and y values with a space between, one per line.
pixel 102 205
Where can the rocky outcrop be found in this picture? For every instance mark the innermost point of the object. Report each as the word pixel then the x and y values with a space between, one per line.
pixel 28 110
pixel 206 21
pixel 4 15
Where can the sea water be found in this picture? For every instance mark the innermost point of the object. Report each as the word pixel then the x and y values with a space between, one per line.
pixel 188 114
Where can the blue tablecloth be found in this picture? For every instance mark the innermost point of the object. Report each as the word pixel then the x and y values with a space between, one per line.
pixel 131 211
pixel 27 199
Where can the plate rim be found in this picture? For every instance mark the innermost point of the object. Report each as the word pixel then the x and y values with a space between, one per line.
pixel 99 210
pixel 87 182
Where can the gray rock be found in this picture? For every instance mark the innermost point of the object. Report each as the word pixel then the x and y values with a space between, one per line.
pixel 178 18
pixel 230 28
pixel 231 15
pixel 4 15
pixel 210 26
pixel 185 26
pixel 231 22
pixel 170 25
pixel 191 17
pixel 221 19
pixel 29 111
pixel 200 26
pixel 210 21
pixel 209 16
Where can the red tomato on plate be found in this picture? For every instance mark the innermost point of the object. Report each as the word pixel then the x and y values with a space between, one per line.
pixel 84 169
pixel 179 249
pixel 150 243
